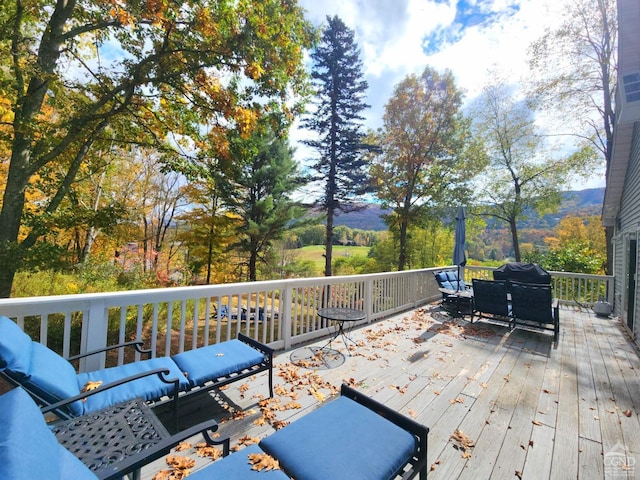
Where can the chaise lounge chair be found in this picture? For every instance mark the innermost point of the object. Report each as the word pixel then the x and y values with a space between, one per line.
pixel 53 382
pixel 350 438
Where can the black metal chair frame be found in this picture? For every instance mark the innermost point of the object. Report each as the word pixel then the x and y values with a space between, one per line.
pixel 490 300
pixel 533 306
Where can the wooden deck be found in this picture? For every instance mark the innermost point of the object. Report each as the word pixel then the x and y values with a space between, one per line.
pixel 532 411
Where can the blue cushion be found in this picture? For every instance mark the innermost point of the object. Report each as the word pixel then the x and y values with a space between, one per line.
pixel 28 449
pixel 215 361
pixel 52 377
pixel 149 387
pixel 237 466
pixel 341 440
pixel 15 347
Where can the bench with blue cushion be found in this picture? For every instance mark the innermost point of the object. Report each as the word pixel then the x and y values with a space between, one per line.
pixel 350 438
pixel 53 382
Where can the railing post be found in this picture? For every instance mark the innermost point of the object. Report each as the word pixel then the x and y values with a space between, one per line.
pixel 368 298
pixel 285 315
pixel 94 335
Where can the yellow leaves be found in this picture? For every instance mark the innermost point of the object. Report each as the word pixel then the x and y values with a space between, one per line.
pixel 246 120
pixel 179 466
pixel 90 386
pixel 254 71
pixel 263 461
pixel 206 450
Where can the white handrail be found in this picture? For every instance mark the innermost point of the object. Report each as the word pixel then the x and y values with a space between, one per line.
pixel 280 313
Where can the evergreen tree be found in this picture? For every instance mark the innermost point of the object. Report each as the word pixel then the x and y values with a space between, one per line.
pixel 339 100
pixel 260 192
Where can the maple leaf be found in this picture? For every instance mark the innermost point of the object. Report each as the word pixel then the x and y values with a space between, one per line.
pixel 90 386
pixel 463 441
pixel 204 450
pixel 162 475
pixel 180 462
pixel 279 424
pixel 183 446
pixel 263 461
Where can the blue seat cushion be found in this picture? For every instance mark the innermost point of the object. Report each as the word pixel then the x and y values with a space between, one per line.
pixel 28 449
pixel 149 387
pixel 237 466
pixel 341 440
pixel 215 361
pixel 15 347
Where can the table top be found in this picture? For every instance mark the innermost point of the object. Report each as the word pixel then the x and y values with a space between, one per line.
pixel 458 293
pixel 340 314
pixel 105 438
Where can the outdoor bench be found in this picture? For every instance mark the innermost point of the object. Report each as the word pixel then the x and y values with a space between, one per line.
pixel 53 382
pixel 352 437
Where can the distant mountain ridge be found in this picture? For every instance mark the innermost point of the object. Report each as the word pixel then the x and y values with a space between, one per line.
pixel 579 202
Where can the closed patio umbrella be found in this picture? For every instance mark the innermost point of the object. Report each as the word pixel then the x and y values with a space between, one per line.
pixel 459 255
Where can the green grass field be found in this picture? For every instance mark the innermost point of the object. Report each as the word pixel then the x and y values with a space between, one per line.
pixel 315 253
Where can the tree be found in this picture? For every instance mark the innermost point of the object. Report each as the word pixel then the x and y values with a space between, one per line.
pixel 339 100
pixel 83 75
pixel 574 67
pixel 260 192
pixel 209 230
pixel 426 147
pixel 521 178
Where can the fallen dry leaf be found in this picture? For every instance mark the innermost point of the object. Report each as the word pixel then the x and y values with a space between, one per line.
pixel 628 413
pixel 183 446
pixel 463 442
pixel 536 422
pixel 263 461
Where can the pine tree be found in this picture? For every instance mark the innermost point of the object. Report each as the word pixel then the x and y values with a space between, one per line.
pixel 260 193
pixel 339 100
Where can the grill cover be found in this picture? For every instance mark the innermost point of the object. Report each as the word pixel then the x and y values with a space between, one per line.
pixel 522 272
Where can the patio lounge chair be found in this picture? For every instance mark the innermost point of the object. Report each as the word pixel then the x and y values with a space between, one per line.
pixel 449 282
pixel 490 300
pixel 53 382
pixel 532 305
pixel 352 437
pixel 29 449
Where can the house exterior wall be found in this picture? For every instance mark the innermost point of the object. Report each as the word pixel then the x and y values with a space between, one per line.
pixel 628 228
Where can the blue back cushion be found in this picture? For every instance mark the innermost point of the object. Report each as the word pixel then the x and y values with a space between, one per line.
pixel 149 387
pixel 52 376
pixel 341 440
pixel 15 347
pixel 28 449
pixel 208 363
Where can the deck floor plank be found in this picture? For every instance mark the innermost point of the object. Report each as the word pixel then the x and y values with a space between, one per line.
pixel 532 407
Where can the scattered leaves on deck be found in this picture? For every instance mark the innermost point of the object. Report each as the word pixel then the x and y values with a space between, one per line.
pixel 463 442
pixel 263 461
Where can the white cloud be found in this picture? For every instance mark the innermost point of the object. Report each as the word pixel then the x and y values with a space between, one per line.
pixel 472 38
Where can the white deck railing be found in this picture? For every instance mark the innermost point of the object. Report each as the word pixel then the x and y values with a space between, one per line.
pixel 279 313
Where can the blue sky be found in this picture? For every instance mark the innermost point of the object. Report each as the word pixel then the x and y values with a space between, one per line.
pixel 469 37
